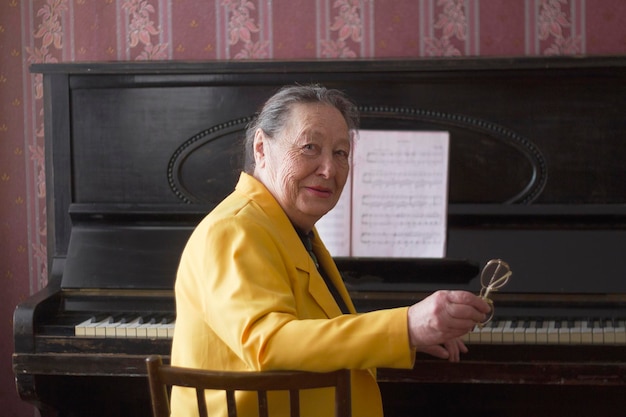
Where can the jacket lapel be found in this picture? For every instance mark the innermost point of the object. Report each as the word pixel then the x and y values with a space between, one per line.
pixel 303 261
pixel 317 287
pixel 326 261
pixel 300 257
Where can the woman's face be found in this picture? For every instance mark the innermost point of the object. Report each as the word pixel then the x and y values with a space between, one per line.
pixel 306 165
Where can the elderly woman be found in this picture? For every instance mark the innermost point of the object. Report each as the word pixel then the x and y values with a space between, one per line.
pixel 249 294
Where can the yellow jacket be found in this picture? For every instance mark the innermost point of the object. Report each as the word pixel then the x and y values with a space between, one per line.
pixel 248 297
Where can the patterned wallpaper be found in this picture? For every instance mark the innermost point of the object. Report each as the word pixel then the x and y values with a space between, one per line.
pixel 35 31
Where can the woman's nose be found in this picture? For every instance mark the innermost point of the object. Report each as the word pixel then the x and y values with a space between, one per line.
pixel 327 166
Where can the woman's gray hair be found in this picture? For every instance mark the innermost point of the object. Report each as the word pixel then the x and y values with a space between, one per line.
pixel 276 111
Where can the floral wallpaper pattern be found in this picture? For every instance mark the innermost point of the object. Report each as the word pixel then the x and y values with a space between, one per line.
pixel 554 23
pixel 37 31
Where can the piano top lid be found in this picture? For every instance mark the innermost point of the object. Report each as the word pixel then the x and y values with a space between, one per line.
pixel 359 65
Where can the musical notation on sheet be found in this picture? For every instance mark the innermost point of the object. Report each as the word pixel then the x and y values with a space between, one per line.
pixel 396 201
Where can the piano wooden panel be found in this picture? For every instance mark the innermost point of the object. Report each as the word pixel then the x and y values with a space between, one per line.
pixel 137 153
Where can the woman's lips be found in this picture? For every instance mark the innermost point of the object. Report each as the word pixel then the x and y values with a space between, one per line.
pixel 321 191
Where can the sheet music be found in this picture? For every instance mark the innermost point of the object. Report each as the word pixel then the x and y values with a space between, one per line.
pixel 399 197
pixel 335 227
pixel 400 194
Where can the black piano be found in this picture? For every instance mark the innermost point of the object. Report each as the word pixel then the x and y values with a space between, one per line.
pixel 137 153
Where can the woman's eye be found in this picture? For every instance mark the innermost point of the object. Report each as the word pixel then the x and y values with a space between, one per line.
pixel 309 149
pixel 343 154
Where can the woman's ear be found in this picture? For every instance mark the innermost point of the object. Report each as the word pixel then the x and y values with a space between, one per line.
pixel 258 147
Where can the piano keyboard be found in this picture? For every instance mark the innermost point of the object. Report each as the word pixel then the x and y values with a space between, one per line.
pixel 563 332
pixel 558 332
pixel 119 327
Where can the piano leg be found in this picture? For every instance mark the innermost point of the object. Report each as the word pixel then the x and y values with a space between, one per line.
pixel 27 389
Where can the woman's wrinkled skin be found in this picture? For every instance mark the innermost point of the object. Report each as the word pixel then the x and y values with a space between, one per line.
pixel 306 166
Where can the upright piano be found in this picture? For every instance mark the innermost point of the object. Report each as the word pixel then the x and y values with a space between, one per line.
pixel 138 152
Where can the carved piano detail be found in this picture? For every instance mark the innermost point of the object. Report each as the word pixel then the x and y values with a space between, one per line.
pixel 138 153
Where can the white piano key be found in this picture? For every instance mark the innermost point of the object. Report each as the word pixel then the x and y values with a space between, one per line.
pixel 541 334
pixel 141 331
pixel 564 333
pixel 507 332
pixel 151 331
pixel 170 329
pixel 609 333
pixel 519 333
pixel 485 333
pixel 530 333
pixel 586 336
pixel 166 331
pixel 620 332
pixel 597 334
pixel 473 337
pixel 497 331
pixel 553 333
pixel 575 333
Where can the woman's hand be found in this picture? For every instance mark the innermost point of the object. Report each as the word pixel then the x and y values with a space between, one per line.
pixel 450 350
pixel 437 323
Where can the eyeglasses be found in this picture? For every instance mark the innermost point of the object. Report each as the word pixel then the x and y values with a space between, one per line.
pixel 495 275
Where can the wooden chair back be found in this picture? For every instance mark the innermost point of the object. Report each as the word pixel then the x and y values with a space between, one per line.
pixel 162 377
